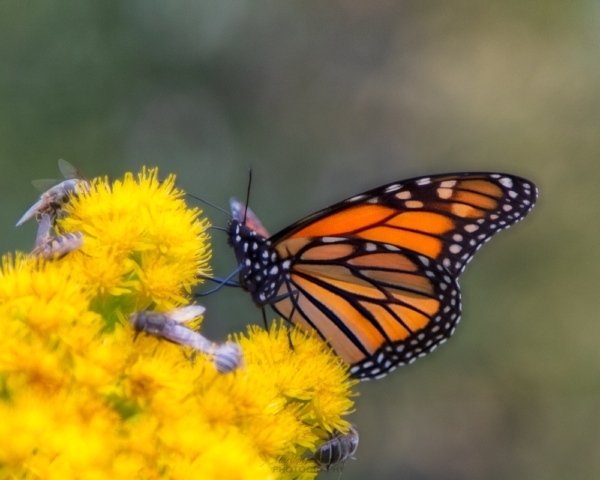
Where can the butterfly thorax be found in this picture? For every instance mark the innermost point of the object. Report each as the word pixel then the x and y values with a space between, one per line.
pixel 261 267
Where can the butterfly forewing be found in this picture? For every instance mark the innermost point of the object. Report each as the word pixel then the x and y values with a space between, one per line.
pixel 444 217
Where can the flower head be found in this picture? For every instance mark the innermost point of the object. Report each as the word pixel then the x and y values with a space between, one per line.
pixel 143 246
pixel 80 392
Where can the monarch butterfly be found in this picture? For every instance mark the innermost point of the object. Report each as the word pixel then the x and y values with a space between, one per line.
pixel 376 275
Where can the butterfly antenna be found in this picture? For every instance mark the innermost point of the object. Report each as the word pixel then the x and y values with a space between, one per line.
pixel 212 227
pixel 208 203
pixel 247 194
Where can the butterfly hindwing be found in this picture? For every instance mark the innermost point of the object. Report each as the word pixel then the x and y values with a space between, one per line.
pixel 378 305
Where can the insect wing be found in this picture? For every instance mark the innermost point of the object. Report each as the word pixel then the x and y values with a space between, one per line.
pixel 43 232
pixel 31 212
pixel 444 217
pixel 185 314
pixel 378 305
pixel 69 171
pixel 247 217
pixel 45 184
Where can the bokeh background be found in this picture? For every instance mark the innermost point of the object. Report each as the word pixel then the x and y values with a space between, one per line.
pixel 324 100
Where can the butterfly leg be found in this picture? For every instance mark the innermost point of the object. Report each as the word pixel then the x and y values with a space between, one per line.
pixel 222 284
pixel 264 315
pixel 228 283
pixel 295 294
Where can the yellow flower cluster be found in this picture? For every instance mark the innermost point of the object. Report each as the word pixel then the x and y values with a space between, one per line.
pixel 80 397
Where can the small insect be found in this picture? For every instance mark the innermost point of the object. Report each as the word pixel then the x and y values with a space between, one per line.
pixel 54 197
pixel 54 247
pixel 226 357
pixel 376 275
pixel 337 448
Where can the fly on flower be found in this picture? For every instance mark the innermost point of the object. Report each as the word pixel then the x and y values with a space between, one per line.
pixel 337 449
pixel 54 197
pixel 54 247
pixel 226 357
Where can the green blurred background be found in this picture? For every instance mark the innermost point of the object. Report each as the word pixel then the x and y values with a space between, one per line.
pixel 324 100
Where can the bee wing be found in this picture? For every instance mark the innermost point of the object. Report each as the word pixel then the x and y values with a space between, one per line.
pixel 30 213
pixel 69 171
pixel 184 314
pixel 44 184
pixel 43 230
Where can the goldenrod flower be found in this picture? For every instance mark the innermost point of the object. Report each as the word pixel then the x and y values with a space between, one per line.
pixel 81 397
pixel 141 241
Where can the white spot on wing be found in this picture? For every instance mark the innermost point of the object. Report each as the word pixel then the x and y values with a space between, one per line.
pixel 444 193
pixel 455 248
pixel 448 184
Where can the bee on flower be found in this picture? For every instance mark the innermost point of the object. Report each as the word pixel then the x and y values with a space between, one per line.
pixel 54 247
pixel 169 325
pixel 55 197
pixel 337 448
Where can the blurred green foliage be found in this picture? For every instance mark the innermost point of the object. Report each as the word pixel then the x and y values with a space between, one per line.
pixel 323 100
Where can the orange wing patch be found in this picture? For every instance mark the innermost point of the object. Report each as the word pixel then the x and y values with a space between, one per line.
pixel 475 199
pixel 387 260
pixel 424 221
pixel 394 330
pixel 291 246
pixel 328 252
pixel 416 242
pixel 343 346
pixel 483 186
pixel 346 221
pixel 415 321
pixel 466 211
pixel 427 305
pixel 341 278
pixel 401 280
pixel 368 335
